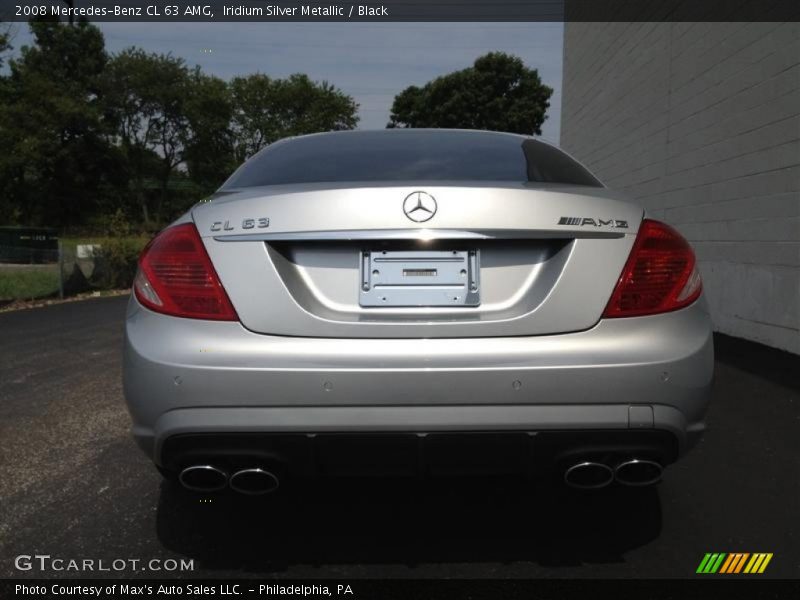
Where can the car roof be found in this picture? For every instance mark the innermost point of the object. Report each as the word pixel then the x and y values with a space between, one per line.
pixel 421 131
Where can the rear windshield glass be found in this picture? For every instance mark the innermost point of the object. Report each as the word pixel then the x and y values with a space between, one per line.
pixel 409 155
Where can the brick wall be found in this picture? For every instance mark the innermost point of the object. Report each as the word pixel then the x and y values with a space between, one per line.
pixel 700 123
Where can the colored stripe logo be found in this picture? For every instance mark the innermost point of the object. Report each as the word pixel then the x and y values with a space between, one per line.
pixel 734 563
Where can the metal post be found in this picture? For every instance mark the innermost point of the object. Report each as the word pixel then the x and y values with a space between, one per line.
pixel 60 270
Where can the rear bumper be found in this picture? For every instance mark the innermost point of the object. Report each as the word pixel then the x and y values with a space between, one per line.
pixel 441 453
pixel 185 377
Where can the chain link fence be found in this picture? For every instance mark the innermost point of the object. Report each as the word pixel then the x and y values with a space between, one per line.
pixel 32 273
pixel 36 264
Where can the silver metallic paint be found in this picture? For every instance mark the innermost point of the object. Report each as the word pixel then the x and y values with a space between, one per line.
pixel 306 358
pixel 231 379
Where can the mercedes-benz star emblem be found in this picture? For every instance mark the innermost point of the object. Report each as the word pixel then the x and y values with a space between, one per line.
pixel 419 206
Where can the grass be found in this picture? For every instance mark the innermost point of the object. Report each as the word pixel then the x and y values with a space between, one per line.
pixel 28 282
pixel 23 283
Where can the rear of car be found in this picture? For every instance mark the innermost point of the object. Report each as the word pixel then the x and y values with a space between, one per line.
pixel 416 302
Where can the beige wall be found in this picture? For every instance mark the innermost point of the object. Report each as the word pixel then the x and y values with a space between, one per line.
pixel 700 123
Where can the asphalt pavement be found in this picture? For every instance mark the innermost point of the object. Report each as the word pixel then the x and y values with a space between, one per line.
pixel 73 485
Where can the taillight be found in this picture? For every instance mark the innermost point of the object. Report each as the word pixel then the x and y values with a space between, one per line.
pixel 661 274
pixel 176 277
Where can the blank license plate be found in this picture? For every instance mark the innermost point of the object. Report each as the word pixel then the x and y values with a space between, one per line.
pixel 420 278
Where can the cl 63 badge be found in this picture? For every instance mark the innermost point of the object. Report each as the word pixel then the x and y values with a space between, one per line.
pixel 256 223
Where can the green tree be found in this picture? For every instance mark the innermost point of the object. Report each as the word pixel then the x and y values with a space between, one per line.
pixel 5 46
pixel 209 147
pixel 498 92
pixel 266 110
pixel 148 96
pixel 5 42
pixel 56 164
pixel 85 135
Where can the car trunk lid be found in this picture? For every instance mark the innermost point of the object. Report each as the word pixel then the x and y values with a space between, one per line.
pixel 491 260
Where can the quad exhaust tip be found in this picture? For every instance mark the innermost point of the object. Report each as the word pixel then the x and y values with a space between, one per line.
pixel 589 475
pixel 254 482
pixel 203 478
pixel 583 475
pixel 635 472
pixel 638 472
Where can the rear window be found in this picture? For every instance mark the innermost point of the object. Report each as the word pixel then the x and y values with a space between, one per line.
pixel 409 155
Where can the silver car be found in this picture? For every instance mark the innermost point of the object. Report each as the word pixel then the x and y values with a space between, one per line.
pixel 416 303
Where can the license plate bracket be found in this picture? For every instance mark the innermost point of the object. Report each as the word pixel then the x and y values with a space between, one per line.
pixel 420 278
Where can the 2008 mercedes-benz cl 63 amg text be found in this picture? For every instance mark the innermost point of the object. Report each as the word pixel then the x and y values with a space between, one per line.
pixel 416 303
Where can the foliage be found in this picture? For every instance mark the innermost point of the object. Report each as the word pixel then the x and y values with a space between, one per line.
pixel 5 43
pixel 117 224
pixel 89 137
pixel 266 110
pixel 498 93
pixel 57 163
pixel 116 261
pixel 147 95
pixel 85 134
pixel 209 151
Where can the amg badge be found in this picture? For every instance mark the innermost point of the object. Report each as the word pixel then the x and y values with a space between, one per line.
pixel 583 221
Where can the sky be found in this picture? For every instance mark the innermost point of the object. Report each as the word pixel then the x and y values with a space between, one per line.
pixel 370 61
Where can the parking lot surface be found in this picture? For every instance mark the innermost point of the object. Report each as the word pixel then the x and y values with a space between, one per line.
pixel 73 485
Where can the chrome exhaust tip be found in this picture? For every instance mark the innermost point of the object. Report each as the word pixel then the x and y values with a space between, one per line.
pixel 638 472
pixel 203 478
pixel 589 475
pixel 254 482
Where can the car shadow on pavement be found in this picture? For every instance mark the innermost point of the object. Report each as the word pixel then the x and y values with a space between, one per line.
pixel 415 524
